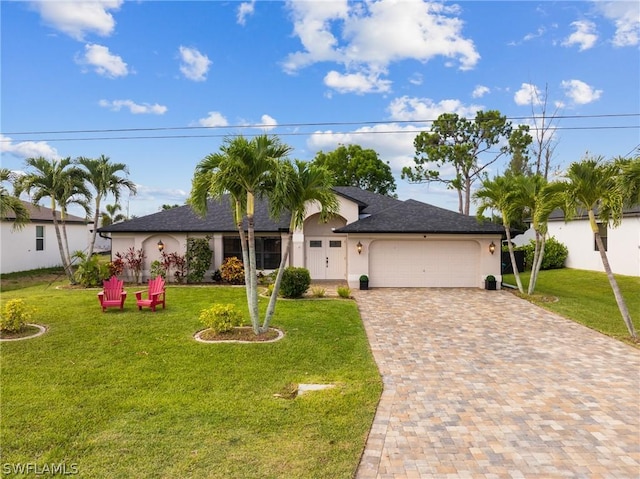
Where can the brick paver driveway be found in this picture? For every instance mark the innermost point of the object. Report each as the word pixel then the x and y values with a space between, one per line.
pixel 482 384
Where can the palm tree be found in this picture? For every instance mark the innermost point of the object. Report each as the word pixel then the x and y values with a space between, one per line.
pixel 103 176
pixel 244 169
pixel 63 184
pixel 9 202
pixel 592 187
pixel 111 215
pixel 629 179
pixel 501 194
pixel 301 184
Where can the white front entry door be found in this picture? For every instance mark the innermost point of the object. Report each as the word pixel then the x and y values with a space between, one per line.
pixel 326 257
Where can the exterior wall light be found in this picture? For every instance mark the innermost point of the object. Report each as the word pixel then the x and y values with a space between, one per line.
pixel 160 246
pixel 492 248
pixel 359 247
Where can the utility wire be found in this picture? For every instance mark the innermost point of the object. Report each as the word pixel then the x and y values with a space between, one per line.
pixel 298 125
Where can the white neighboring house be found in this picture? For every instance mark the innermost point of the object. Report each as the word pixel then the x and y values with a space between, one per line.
pixel 622 243
pixel 396 243
pixel 35 245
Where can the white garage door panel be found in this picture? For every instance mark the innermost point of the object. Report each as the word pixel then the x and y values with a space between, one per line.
pixel 423 264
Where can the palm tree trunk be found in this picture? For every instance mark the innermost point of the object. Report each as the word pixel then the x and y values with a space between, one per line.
pixel 96 215
pixel 251 277
pixel 243 247
pixel 65 263
pixel 541 241
pixel 622 305
pixel 512 255
pixel 276 286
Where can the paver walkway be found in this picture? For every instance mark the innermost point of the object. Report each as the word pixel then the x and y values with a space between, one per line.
pixel 482 384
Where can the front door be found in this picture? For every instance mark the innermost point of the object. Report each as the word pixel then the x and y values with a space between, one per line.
pixel 326 258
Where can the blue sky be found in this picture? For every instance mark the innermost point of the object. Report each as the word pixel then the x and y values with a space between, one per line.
pixel 157 85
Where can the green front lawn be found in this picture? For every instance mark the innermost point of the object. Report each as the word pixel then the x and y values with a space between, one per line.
pixel 586 297
pixel 131 394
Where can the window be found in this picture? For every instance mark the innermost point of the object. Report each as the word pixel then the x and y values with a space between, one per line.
pixel 335 244
pixel 39 238
pixel 268 250
pixel 315 244
pixel 602 231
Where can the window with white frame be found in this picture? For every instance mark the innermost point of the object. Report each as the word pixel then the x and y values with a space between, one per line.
pixel 39 238
pixel 602 231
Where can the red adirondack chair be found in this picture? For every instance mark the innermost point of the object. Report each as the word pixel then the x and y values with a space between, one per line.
pixel 112 294
pixel 155 294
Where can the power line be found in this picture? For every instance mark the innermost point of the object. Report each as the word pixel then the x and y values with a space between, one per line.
pixel 298 125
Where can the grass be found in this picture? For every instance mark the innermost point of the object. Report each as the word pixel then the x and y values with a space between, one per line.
pixel 586 297
pixel 132 394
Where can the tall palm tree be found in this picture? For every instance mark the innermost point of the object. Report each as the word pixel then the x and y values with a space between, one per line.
pixel 9 202
pixel 244 168
pixel 63 184
pixel 501 194
pixel 103 176
pixel 592 186
pixel 301 184
pixel 629 179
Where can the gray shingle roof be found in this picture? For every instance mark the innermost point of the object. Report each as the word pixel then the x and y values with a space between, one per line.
pixel 387 215
pixel 42 214
pixel 413 216
pixel 219 218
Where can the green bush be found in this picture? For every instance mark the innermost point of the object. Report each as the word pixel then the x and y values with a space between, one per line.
pixel 318 292
pixel 221 317
pixel 232 271
pixel 295 282
pixel 344 292
pixel 15 315
pixel 90 272
pixel 555 254
pixel 198 258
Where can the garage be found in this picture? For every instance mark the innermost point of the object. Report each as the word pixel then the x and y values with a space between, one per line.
pixel 424 263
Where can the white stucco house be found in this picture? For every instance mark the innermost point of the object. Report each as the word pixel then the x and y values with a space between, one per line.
pixel 36 246
pixel 622 243
pixel 396 243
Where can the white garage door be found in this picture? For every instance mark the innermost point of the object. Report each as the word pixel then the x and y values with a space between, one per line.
pixel 424 263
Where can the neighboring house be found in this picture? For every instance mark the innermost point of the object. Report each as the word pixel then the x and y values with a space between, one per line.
pixel 396 243
pixel 622 243
pixel 35 245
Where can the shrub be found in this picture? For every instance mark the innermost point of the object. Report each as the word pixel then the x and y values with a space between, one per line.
pixel 15 315
pixel 216 276
pixel 318 292
pixel 198 259
pixel 158 269
pixel 344 292
pixel 90 272
pixel 133 260
pixel 295 282
pixel 232 271
pixel 221 317
pixel 555 254
pixel 269 290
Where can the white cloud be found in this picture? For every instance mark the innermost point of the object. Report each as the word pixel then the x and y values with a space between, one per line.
pixel 626 17
pixel 356 82
pixel 416 79
pixel 27 149
pixel 584 35
pixel 425 110
pixel 528 94
pixel 244 10
pixel 76 19
pixel 267 122
pixel 580 92
pixel 479 91
pixel 214 119
pixel 367 37
pixel 103 61
pixel 195 65
pixel 135 108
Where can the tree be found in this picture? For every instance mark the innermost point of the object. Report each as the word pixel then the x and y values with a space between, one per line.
pixel 167 206
pixel 459 143
pixel 245 169
pixel 543 145
pixel 63 184
pixel 103 176
pixel 9 202
pixel 111 214
pixel 592 185
pixel 305 183
pixel 501 194
pixel 629 179
pixel 519 142
pixel 350 165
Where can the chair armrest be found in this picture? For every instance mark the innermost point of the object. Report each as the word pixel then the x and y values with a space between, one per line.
pixel 139 294
pixel 123 295
pixel 100 294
